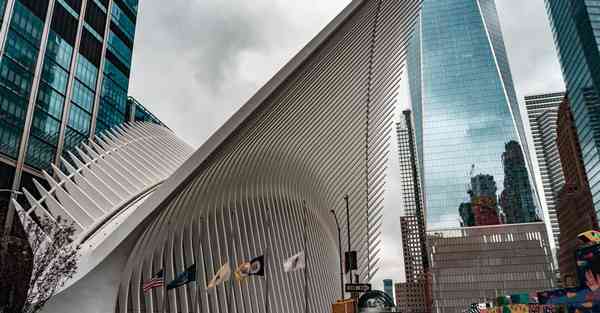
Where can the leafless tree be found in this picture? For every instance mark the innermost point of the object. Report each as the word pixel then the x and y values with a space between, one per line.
pixel 54 257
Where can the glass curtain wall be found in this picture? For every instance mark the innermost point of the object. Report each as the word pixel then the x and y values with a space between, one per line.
pixel 464 99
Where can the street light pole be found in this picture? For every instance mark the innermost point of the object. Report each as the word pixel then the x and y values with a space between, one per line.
pixel 340 252
pixel 346 198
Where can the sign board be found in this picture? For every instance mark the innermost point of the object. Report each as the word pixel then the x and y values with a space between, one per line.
pixel 358 287
pixel 351 261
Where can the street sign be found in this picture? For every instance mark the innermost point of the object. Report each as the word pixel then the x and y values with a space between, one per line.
pixel 358 287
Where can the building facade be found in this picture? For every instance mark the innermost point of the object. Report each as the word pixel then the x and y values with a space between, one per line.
pixel 388 287
pixel 517 199
pixel 482 208
pixel 477 264
pixel 64 77
pixel 576 25
pixel 412 295
pixel 464 101
pixel 260 185
pixel 575 210
pixel 542 112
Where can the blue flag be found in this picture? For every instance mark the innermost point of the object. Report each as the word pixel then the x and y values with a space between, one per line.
pixel 183 278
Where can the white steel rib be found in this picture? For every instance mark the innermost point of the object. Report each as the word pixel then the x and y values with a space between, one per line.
pixel 317 131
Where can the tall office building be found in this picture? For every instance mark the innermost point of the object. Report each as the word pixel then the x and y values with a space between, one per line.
pixel 575 209
pixel 576 27
pixel 466 109
pixel 64 76
pixel 412 296
pixel 388 287
pixel 542 112
pixel 477 264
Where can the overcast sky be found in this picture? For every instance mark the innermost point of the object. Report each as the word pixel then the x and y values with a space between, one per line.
pixel 197 61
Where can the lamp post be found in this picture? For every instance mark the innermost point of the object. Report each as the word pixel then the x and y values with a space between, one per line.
pixel 337 223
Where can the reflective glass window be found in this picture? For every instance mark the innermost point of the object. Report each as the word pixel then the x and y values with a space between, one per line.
pixel 59 50
pixel 119 49
pixel 115 75
pixel 83 96
pixel 27 24
pixel 21 50
pixel 15 78
pixel 45 127
pixel 79 119
pixel 40 154
pixel 50 101
pixel 55 76
pixel 86 72
pixel 123 21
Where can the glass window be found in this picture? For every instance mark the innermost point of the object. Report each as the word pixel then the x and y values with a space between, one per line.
pixel 123 21
pixel 45 127
pixel 86 72
pixel 50 101
pixel 39 153
pixel 114 94
pixel 59 50
pixel 79 119
pixel 83 96
pixel 21 50
pixel 15 78
pixel 112 72
pixel 119 49
pixel 26 24
pixel 55 76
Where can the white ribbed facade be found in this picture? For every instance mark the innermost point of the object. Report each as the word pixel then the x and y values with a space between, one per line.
pixel 317 131
pixel 542 111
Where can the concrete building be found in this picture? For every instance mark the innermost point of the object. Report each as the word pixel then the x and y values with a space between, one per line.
pixel 270 176
pixel 465 105
pixel 575 210
pixel 412 296
pixel 542 112
pixel 576 29
pixel 477 264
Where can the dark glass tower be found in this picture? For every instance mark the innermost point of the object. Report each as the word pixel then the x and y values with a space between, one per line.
pixel 576 27
pixel 465 105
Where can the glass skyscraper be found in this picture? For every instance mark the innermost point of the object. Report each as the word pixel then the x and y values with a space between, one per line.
pixel 466 111
pixel 64 77
pixel 576 27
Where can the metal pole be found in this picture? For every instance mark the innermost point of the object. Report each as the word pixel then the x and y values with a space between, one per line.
pixel 348 221
pixel 346 198
pixel 340 251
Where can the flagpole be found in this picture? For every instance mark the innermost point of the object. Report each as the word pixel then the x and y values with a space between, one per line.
pixel 305 261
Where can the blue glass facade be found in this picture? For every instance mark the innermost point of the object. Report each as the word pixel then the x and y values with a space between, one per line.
pixel 69 60
pixel 465 107
pixel 576 27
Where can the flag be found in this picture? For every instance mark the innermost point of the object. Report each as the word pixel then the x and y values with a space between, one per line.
pixel 156 281
pixel 253 268
pixel 294 263
pixel 187 276
pixel 221 276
